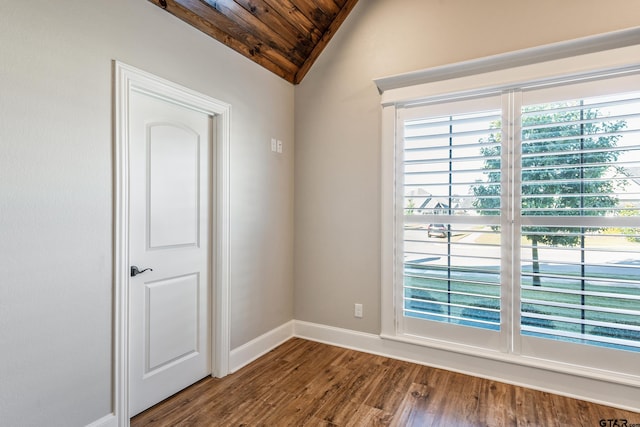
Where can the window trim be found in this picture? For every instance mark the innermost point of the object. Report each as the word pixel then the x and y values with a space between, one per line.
pixel 430 86
pixel 534 55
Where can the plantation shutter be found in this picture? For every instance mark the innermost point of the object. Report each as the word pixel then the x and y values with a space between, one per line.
pixel 452 256
pixel 580 214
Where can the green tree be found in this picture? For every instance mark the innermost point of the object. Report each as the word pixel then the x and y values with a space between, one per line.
pixel 566 150
pixel 633 234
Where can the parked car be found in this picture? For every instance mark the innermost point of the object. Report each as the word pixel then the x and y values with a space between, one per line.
pixel 437 230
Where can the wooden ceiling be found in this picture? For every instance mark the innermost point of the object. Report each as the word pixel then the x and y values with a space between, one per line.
pixel 283 36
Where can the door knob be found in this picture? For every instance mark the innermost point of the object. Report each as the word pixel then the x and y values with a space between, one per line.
pixel 135 271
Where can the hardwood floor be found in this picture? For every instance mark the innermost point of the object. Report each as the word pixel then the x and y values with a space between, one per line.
pixel 304 383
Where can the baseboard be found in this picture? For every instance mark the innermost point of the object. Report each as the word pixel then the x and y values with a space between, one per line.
pixel 566 384
pixel 106 421
pixel 247 353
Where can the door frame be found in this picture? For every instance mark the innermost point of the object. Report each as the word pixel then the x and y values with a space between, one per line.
pixel 126 80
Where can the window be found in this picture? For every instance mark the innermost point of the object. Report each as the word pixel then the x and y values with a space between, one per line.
pixel 518 220
pixel 579 213
pixel 451 249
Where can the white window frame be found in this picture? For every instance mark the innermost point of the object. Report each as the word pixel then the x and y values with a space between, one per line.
pixel 580 58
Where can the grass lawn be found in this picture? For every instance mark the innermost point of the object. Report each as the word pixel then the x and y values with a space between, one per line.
pixel 469 295
pixel 600 241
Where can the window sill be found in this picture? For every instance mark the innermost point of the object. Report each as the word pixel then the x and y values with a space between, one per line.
pixel 520 360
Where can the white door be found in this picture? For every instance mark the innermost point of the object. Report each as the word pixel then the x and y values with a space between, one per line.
pixel 170 215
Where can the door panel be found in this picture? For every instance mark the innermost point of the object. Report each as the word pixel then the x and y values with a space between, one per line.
pixel 171 323
pixel 173 159
pixel 170 185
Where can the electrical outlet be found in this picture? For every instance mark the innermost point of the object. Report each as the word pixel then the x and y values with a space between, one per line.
pixel 279 146
pixel 357 310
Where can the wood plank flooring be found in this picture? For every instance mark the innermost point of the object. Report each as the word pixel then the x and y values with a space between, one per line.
pixel 304 383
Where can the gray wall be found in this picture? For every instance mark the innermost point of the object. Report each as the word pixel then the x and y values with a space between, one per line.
pixel 56 176
pixel 337 107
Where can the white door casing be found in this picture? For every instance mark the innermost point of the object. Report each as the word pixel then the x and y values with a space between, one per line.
pixel 169 233
pixel 178 286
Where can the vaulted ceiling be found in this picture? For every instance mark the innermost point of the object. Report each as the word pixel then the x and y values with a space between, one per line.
pixel 283 36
